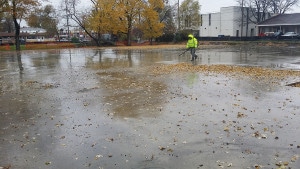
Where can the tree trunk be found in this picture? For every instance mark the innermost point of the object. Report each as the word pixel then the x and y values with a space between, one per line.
pixel 129 37
pixel 17 35
pixel 20 61
pixel 17 27
pixel 96 40
pixel 129 31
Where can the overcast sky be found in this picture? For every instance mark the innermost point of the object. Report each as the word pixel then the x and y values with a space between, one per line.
pixel 207 6
pixel 211 6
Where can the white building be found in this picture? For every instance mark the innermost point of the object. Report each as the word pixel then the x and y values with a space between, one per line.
pixel 30 34
pixel 32 30
pixel 227 22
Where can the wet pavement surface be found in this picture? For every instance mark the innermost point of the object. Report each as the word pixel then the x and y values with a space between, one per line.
pixel 105 108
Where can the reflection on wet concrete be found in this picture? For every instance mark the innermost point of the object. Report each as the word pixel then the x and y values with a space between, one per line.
pixel 132 96
pixel 265 57
pixel 19 61
pixel 100 108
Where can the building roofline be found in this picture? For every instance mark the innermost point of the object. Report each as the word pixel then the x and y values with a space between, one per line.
pixel 293 24
pixel 282 19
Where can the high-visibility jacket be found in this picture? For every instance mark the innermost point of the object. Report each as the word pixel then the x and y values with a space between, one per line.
pixel 192 42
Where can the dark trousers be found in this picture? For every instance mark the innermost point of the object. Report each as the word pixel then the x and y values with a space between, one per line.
pixel 193 50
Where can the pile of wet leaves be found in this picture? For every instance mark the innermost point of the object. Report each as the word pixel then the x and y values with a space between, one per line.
pixel 250 71
pixel 297 84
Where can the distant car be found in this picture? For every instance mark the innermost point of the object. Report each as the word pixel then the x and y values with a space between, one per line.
pixel 63 40
pixel 22 41
pixel 269 34
pixel 291 34
pixel 84 40
pixel 277 34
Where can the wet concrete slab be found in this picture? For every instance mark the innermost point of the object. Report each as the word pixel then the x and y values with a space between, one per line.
pixel 105 108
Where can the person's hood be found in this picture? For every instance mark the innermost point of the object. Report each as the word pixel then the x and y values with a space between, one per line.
pixel 191 36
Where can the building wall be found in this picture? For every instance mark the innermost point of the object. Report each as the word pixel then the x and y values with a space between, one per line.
pixel 227 22
pixel 210 25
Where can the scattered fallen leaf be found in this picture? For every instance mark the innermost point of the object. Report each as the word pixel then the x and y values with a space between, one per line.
pixel 240 115
pixel 98 156
pixel 6 167
pixel 256 166
pixel 47 163
pixel 162 148
pixel 294 158
pixel 226 128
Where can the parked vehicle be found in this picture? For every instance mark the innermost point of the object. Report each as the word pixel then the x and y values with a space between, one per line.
pixel 269 34
pixel 277 34
pixel 291 34
pixel 64 40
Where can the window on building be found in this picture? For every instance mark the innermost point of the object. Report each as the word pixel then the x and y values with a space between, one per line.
pixel 252 32
pixel 209 19
pixel 201 20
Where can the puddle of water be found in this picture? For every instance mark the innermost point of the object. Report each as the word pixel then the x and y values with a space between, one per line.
pixel 89 108
pixel 267 57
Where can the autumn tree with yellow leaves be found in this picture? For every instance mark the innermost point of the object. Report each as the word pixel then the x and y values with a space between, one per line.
pixel 18 10
pixel 150 23
pixel 121 16
pixel 106 17
pixel 132 9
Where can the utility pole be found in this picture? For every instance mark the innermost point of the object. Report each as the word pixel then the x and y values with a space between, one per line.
pixel 67 13
pixel 247 22
pixel 178 15
pixel 242 24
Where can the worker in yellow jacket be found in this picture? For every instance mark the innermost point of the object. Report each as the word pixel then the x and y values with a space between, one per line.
pixel 192 44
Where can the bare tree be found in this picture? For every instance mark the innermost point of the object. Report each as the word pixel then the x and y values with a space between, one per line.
pixel 258 10
pixel 262 9
pixel 189 14
pixel 70 8
pixel 282 6
pixel 166 16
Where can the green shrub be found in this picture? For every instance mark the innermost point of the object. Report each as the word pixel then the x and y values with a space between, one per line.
pixel 75 40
